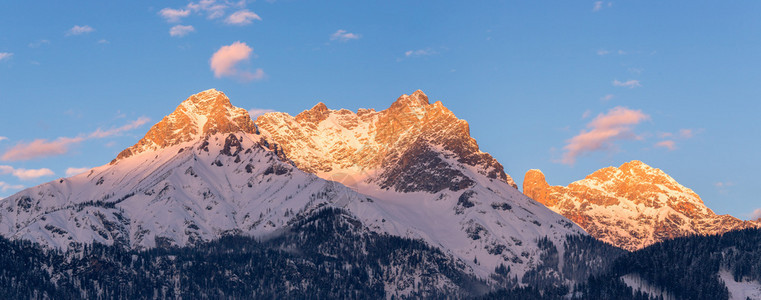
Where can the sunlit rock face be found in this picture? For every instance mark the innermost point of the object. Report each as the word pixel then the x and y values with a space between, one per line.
pixel 203 114
pixel 411 146
pixel 631 206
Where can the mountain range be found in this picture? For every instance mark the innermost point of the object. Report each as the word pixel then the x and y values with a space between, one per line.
pixel 409 175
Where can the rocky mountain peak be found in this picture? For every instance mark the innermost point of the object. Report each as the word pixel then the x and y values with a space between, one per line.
pixel 203 114
pixel 631 206
pixel 315 115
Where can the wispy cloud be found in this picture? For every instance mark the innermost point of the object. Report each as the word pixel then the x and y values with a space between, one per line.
pixel 181 30
pixel 79 30
pixel 44 148
pixel 99 133
pixel 75 171
pixel 26 174
pixel 225 62
pixel 40 148
pixel 686 133
pixel 629 83
pixel 172 15
pixel 602 52
pixel 5 56
pixel 2 138
pixel 242 17
pixel 103 41
pixel 607 97
pixel 419 52
pixel 599 5
pixel 602 132
pixel 6 186
pixel 344 36
pixel 756 214
pixel 668 144
pixel 211 8
pixel 255 112
pixel 37 44
pixel 669 141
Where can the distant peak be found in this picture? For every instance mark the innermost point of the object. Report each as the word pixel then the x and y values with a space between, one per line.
pixel 202 114
pixel 316 114
pixel 417 99
pixel 635 164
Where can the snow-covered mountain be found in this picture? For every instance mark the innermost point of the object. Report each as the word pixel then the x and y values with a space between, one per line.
pixel 428 173
pixel 631 206
pixel 206 171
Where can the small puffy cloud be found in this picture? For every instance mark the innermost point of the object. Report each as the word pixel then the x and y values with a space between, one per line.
pixel 419 52
pixel 172 15
pixel 75 171
pixel 602 52
pixel 668 144
pixel 607 97
pixel 2 138
pixel 5 55
pixel 344 36
pixel 26 174
pixel 242 17
pixel 79 30
pixel 181 30
pixel 255 112
pixel 224 62
pixel 98 133
pixel 629 83
pixel 6 186
pixel 602 132
pixel 39 148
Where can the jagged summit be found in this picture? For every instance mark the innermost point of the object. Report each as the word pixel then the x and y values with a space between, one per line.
pixel 631 206
pixel 398 147
pixel 206 113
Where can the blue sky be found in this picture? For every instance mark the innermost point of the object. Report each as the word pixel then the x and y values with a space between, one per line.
pixel 567 87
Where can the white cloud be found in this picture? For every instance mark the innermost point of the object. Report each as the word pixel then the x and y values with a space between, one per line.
pixel 607 97
pixel 603 131
pixel 6 186
pixel 419 52
pixel 2 138
pixel 26 174
pixel 629 83
pixel 602 52
pixel 255 112
pixel 181 30
pixel 723 184
pixel 174 15
pixel 75 171
pixel 103 41
pixel 5 55
pixel 344 36
pixel 225 62
pixel 212 8
pixel 44 148
pixel 78 30
pixel 242 17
